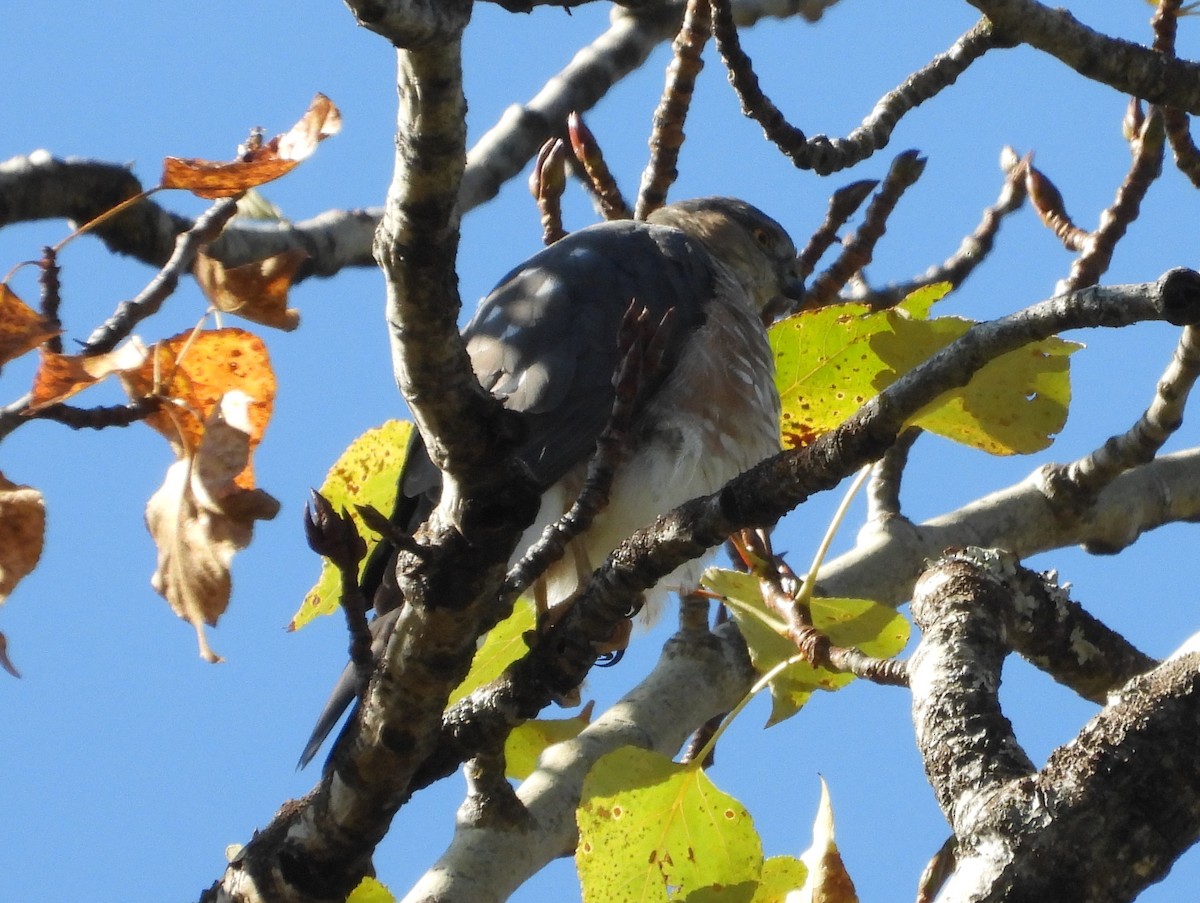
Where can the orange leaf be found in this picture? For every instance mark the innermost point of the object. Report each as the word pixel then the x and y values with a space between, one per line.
pixel 194 371
pixel 22 532
pixel 21 327
pixel 59 376
pixel 261 163
pixel 257 291
pixel 200 516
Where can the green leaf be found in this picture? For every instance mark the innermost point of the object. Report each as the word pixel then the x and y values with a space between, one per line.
pixel 875 629
pixel 651 830
pixel 829 362
pixel 505 643
pixel 367 473
pixel 780 876
pixel 1015 404
pixel 825 368
pixel 370 890
pixel 527 741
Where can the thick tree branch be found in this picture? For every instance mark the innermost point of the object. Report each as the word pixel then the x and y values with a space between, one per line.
pixel 1111 810
pixel 889 556
pixel 1128 67
pixel 39 186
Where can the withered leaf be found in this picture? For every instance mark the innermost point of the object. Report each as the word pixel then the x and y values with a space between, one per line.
pixel 200 516
pixel 257 291
pixel 193 371
pixel 59 376
pixel 262 163
pixel 21 327
pixel 22 535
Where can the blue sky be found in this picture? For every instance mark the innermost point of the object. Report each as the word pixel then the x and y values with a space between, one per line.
pixel 129 764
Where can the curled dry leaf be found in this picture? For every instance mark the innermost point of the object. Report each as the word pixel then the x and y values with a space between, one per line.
pixel 257 291
pixel 59 376
pixel 201 516
pixel 22 534
pixel 262 162
pixel 828 881
pixel 21 327
pixel 194 371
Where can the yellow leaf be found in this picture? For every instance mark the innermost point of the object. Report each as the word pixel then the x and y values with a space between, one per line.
pixel 528 740
pixel 260 163
pixel 824 368
pixel 367 473
pixel 651 830
pixel 829 362
pixel 200 516
pixel 859 623
pixel 257 291
pixel 780 876
pixel 505 644
pixel 371 890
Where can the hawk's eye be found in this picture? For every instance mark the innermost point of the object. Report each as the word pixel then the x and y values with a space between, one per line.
pixel 762 236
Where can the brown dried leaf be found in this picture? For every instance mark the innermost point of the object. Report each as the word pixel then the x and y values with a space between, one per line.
pixel 22 532
pixel 262 163
pixel 201 516
pixel 59 376
pixel 21 327
pixel 257 291
pixel 194 371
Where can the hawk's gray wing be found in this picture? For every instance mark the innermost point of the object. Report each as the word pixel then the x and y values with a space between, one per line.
pixel 544 341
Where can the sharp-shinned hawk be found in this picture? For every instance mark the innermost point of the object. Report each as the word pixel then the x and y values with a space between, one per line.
pixel 545 342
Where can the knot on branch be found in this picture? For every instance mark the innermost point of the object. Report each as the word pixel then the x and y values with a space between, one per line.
pixel 1179 296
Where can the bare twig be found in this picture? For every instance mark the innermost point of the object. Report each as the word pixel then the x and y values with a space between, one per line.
pixel 812 643
pixel 547 183
pixel 1047 200
pixel 1128 67
pixel 973 250
pixel 842 205
pixel 1073 488
pixel 666 138
pixel 858 249
pixel 883 490
pixel 600 180
pixel 129 313
pixel 334 536
pixel 1097 251
pixel 828 155
pixel 51 295
pixel 97 418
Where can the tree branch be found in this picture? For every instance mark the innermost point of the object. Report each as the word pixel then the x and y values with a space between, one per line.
pixel 1116 806
pixel 1128 67
pixel 39 186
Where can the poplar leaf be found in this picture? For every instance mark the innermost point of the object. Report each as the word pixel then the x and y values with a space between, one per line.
pixel 875 629
pixel 652 830
pixel 261 162
pixel 366 474
pixel 200 516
